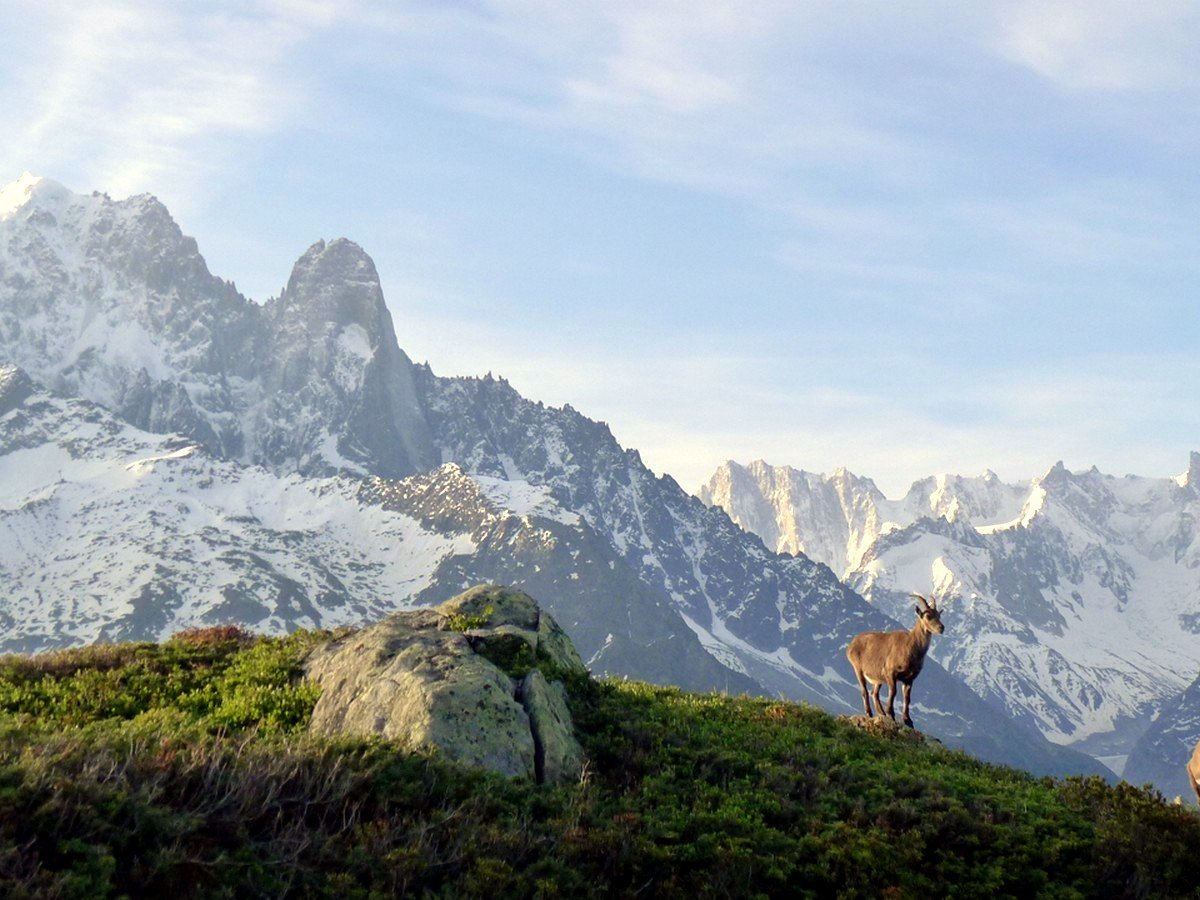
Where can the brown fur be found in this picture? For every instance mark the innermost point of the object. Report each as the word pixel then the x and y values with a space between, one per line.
pixel 1193 771
pixel 887 657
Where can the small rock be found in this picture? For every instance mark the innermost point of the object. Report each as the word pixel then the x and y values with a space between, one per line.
pixel 887 727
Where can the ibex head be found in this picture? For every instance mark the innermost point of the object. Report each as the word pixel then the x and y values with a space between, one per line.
pixel 929 617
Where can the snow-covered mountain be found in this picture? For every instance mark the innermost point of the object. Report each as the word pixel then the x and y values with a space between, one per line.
pixel 171 452
pixel 835 519
pixel 1076 596
pixel 108 532
pixel 109 301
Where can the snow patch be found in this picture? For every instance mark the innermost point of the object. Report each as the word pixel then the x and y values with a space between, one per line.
pixel 354 341
pixel 352 355
pixel 14 196
pixel 327 449
pixel 88 533
pixel 524 499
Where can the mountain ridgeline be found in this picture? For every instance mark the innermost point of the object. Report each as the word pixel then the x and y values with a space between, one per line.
pixel 172 454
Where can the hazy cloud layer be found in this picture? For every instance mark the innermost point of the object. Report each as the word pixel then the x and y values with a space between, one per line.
pixel 900 237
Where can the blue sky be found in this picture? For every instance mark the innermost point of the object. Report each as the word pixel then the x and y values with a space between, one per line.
pixel 905 238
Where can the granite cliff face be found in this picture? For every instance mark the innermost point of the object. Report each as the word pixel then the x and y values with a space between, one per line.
pixel 293 467
pixel 335 388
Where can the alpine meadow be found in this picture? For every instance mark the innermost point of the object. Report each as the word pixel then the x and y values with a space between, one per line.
pixel 611 449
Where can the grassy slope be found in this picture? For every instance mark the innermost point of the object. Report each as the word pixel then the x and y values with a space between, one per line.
pixel 183 769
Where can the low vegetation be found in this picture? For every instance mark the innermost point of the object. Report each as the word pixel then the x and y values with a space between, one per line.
pixel 183 769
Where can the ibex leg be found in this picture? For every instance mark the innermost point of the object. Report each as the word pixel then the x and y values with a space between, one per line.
pixel 891 710
pixel 907 695
pixel 878 705
pixel 862 683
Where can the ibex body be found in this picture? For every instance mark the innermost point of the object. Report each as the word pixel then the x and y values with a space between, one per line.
pixel 1193 771
pixel 887 657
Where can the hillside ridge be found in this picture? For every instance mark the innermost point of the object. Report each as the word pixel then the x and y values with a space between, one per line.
pixel 181 767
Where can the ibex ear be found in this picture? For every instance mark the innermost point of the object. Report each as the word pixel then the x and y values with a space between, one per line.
pixel 918 609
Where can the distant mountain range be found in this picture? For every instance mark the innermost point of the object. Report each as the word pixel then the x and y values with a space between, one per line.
pixel 173 454
pixel 1074 599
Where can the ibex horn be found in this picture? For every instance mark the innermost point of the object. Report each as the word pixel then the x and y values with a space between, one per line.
pixel 924 602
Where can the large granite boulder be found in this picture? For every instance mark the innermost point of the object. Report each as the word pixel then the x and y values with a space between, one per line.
pixel 477 678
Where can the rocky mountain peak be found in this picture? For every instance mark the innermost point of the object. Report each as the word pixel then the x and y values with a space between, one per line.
pixel 786 506
pixel 102 298
pixel 31 192
pixel 336 284
pixel 334 360
pixel 93 225
pixel 109 300
pixel 1056 475
pixel 1191 478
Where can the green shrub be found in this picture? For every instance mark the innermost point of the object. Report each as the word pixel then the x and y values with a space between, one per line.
pixel 184 769
pixel 222 675
pixel 1142 846
pixel 465 621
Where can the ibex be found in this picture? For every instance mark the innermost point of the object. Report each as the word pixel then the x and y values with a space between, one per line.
pixel 1193 771
pixel 885 657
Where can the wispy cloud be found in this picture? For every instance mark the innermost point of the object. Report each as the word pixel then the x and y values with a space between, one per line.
pixel 140 95
pixel 675 59
pixel 712 95
pixel 774 103
pixel 1105 45
pixel 891 415
pixel 873 137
